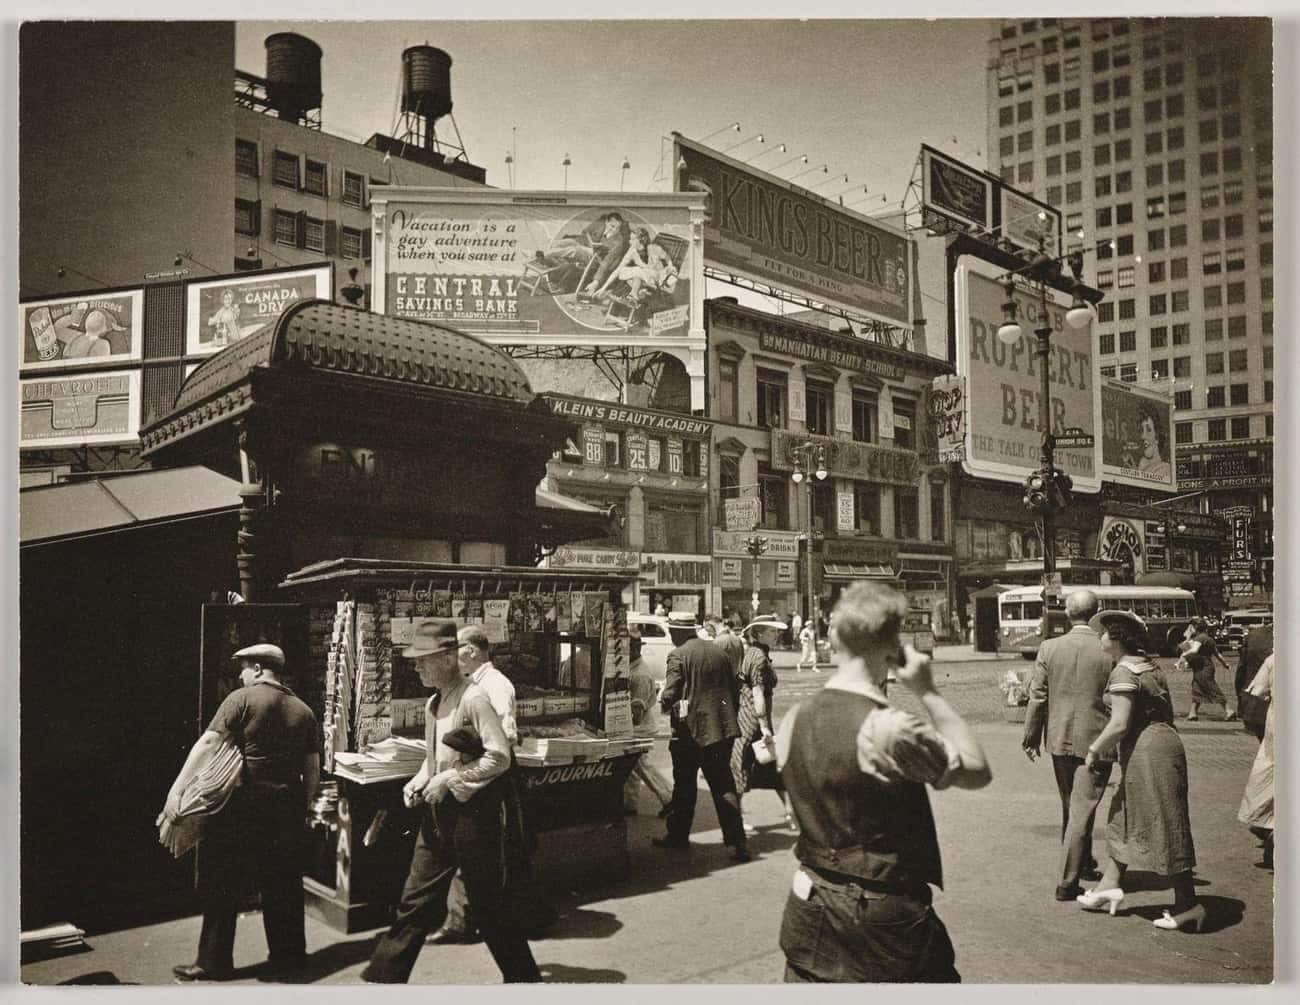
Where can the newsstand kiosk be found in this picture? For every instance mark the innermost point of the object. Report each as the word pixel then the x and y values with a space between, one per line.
pixel 389 472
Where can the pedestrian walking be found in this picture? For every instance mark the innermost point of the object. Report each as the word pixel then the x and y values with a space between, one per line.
pixel 700 696
pixel 1201 656
pixel 258 838
pixel 755 682
pixel 1256 810
pixel 463 822
pixel 1256 647
pixel 731 643
pixel 1150 827
pixel 860 907
pixel 1066 714
pixel 807 648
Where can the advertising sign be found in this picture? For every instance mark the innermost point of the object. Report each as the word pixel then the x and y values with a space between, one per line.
pixel 602 559
pixel 87 330
pixel 221 312
pixel 540 265
pixel 1003 440
pixel 780 543
pixel 1137 436
pixel 93 408
pixel 769 230
pixel 742 514
pixel 1026 222
pixel 1240 538
pixel 849 459
pixel 844 517
pixel 1120 540
pixel 687 572
pixel 946 407
pixel 956 191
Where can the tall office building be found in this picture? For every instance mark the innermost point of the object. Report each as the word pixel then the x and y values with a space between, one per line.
pixel 1154 137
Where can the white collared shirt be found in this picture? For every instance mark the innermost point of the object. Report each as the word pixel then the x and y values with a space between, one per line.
pixel 501 693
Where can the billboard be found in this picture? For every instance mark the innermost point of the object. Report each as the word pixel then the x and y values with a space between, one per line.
pixel 771 231
pixel 221 312
pixel 1003 440
pixel 92 329
pixel 91 408
pixel 1137 436
pixel 956 191
pixel 540 267
pixel 1027 223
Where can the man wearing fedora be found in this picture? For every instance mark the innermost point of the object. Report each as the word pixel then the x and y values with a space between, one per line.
pixel 462 821
pixel 259 835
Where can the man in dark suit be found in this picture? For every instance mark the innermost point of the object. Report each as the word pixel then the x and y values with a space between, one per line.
pixel 1066 714
pixel 700 696
pixel 1255 649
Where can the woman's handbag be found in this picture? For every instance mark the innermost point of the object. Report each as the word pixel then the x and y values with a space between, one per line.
pixel 1253 711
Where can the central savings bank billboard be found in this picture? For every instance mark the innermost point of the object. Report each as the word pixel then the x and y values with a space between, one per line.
pixel 1002 439
pixel 599 268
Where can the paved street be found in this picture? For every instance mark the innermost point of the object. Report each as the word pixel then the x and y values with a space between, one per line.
pixel 676 918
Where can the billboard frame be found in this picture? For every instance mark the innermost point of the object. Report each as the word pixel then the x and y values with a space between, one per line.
pixel 929 156
pixel 134 354
pixel 195 287
pixel 134 398
pixel 1116 474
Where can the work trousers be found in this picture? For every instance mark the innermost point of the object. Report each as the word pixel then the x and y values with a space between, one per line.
pixel 1081 790
pixel 715 761
pixel 255 841
pixel 455 836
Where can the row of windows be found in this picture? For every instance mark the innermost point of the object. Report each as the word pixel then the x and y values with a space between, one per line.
pixel 1238 362
pixel 302 174
pixel 299 230
pixel 774 496
pixel 1217 430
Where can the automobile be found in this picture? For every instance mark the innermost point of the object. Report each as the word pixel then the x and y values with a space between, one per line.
pixel 660 636
pixel 1235 625
pixel 917 630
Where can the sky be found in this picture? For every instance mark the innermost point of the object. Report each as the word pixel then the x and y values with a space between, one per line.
pixel 858 96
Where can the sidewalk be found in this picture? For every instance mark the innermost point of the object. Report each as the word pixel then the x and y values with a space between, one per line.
pixel 676 918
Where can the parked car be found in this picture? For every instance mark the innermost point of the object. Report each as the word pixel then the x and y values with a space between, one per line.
pixel 1235 625
pixel 918 630
pixel 659 637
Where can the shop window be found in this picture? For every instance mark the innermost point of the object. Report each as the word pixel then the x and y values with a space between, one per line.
pixel 314 181
pixel 246 161
pixel 248 217
pixel 771 399
pixel 866 507
pixel 904 424
pixel 354 189
pixel 775 498
pixel 865 425
pixel 285 170
pixel 728 390
pixel 938 512
pixel 907 518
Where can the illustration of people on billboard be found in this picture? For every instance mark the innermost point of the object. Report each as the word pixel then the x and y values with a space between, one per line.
pixel 1148 455
pixel 76 331
pixel 225 321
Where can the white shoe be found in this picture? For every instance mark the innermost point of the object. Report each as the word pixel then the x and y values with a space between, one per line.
pixel 1101 900
pixel 750 829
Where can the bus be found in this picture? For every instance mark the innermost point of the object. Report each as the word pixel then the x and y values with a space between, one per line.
pixel 1165 609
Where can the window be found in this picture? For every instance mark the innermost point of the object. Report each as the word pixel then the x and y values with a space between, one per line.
pixel 1180 300
pixel 904 424
pixel 1176 171
pixel 1207 98
pixel 1233 225
pixel 937 512
pixel 775 497
pixel 1155 272
pixel 314 234
pixel 1153 111
pixel 1073 222
pixel 1173 74
pixel 1182 432
pixel 1157 305
pixel 1160 369
pixel 1025 141
pixel 1051 73
pixel 1210 162
pixel 907 519
pixel 1214 362
pixel 1024 111
pixel 1105 310
pixel 1123 214
pixel 1209 196
pixel 1214 329
pixel 1214 296
pixel 1128 372
pixel 1052 103
pixel 1209 230
pixel 1178 236
pixel 1216 430
pixel 1155 176
pixel 1231 126
pixel 1178 268
pixel 1241 427
pixel 1236 293
pixel 315 178
pixel 1128 341
pixel 246 158
pixel 1151 78
pixel 1074 191
pixel 866 507
pixel 1006 116
pixel 1174 110
pixel 1053 165
pixel 1236 259
pixel 286 228
pixel 1182 367
pixel 865 428
pixel 248 217
pixel 1100 60
pixel 1230 91
pixel 613 449
pixel 1073 160
pixel 354 189
pixel 1268 357
pixel 1239 394
pixel 1123 181
pixel 728 481
pixel 285 170
pixel 1106 343
pixel 350 242
pixel 1266 253
pixel 1122 87
pixel 823 505
pixel 771 399
pixel 1266 287
pixel 1105 277
pixel 1126 277
pixel 1159 337
pixel 1266 322
pixel 820 400
pixel 1182 334
pixel 1123 150
pixel 1238 360
pixel 1025 172
pixel 1183 400
pixel 1007 146
pixel 1101 122
pixel 1205 64
pixel 1101 91
pixel 1072 99
pixel 1103 217
pixel 1155 240
pixel 1054 195
pixel 1123 118
pixel 1208 130
pixel 1232 193
pixel 1101 154
pixel 1127 310
pixel 1107 371
pixel 1214 396
pixel 1101 186
pixel 728 390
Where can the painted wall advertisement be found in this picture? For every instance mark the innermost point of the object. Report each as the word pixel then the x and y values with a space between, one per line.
pixel 1137 435
pixel 94 408
pixel 769 230
pixel 90 330
pixel 224 311
pixel 545 264
pixel 1003 439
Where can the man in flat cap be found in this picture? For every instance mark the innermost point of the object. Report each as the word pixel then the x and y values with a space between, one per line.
pixel 461 824
pixel 258 837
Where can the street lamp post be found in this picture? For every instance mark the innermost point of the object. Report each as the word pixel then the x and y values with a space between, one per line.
pixel 810 455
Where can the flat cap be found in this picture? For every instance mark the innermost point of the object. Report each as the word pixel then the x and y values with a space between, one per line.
pixel 263 652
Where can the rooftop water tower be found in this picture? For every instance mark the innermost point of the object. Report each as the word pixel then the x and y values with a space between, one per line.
pixel 293 87
pixel 426 98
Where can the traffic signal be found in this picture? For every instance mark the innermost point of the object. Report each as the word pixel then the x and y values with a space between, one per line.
pixel 1036 492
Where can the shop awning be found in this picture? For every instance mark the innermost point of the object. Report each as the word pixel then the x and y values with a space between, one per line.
pixel 853 571
pixel 561 519
pixel 916 567
pixel 556 500
pixel 122 502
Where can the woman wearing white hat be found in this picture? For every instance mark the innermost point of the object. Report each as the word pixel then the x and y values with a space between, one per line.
pixel 755 682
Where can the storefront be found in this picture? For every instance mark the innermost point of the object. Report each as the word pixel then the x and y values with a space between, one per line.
pixel 416 500
pixel 1148 539
pixel 774 575
pixel 681 583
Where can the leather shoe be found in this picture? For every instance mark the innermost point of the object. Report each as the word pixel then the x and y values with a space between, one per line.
pixel 742 854
pixel 1068 893
pixel 188 972
pixel 450 936
pixel 670 843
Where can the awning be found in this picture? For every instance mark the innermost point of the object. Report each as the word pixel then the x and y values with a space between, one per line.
pixel 561 519
pixel 122 502
pixel 555 500
pixel 914 567
pixel 849 572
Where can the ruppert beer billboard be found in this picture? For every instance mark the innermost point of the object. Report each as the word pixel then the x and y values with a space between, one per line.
pixel 1003 439
pixel 92 329
pixel 1137 436
pixel 773 231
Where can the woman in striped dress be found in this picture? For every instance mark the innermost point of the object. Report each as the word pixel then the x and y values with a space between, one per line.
pixel 755 682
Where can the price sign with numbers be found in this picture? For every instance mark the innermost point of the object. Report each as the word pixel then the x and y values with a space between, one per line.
pixel 593 446
pixel 674 455
pixel 638 450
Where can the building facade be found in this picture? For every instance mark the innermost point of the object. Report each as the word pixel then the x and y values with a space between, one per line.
pixel 1154 137
pixel 789 397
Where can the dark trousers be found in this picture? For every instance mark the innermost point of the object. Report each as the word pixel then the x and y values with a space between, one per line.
pixel 255 841
pixel 1081 790
pixel 468 837
pixel 715 761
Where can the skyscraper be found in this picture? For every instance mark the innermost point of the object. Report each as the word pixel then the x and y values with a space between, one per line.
pixel 1154 137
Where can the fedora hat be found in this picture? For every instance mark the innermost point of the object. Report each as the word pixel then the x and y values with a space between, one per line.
pixel 263 653
pixel 433 636
pixel 1102 620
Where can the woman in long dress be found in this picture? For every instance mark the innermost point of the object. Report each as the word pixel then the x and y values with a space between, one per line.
pixel 1256 810
pixel 1150 826
pixel 756 680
